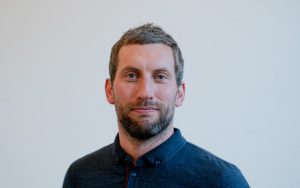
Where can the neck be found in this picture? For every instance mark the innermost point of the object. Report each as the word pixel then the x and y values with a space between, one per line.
pixel 137 148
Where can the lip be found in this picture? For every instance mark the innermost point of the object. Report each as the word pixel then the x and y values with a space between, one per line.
pixel 144 110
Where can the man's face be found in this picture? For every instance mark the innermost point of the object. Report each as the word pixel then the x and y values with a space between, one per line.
pixel 144 91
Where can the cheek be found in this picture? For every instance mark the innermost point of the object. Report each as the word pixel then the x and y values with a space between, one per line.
pixel 167 94
pixel 122 93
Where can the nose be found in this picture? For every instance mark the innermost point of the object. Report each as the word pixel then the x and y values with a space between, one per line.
pixel 145 89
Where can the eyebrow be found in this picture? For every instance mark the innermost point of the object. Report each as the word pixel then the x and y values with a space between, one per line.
pixel 134 69
pixel 162 70
pixel 129 68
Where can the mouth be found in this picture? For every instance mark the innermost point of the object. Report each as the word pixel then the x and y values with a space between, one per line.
pixel 144 110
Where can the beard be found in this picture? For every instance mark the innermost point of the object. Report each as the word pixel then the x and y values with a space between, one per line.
pixel 144 127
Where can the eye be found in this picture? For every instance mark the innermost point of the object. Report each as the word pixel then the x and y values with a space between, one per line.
pixel 161 77
pixel 131 76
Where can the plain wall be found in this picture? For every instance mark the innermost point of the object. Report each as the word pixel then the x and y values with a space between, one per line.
pixel 241 71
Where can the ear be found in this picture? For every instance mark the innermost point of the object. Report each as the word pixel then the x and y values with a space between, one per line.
pixel 109 91
pixel 180 95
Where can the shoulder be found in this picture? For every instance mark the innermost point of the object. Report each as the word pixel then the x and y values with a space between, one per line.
pixel 216 170
pixel 201 155
pixel 94 159
pixel 88 164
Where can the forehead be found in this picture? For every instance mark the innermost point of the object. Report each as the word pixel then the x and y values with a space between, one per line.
pixel 146 56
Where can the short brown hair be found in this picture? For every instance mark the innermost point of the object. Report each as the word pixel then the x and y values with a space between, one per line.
pixel 146 34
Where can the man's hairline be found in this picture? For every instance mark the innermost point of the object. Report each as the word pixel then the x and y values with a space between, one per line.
pixel 130 44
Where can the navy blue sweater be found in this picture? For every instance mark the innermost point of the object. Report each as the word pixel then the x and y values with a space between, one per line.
pixel 175 163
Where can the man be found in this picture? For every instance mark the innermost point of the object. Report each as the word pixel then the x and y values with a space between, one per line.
pixel 145 85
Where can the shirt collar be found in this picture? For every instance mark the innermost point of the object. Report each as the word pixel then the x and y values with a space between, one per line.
pixel 156 157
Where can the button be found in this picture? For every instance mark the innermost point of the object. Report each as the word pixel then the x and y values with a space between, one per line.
pixel 133 174
pixel 127 158
pixel 157 162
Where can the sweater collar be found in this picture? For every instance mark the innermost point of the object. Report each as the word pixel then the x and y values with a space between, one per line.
pixel 157 156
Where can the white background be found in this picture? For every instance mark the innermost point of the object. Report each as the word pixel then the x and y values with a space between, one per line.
pixel 241 71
